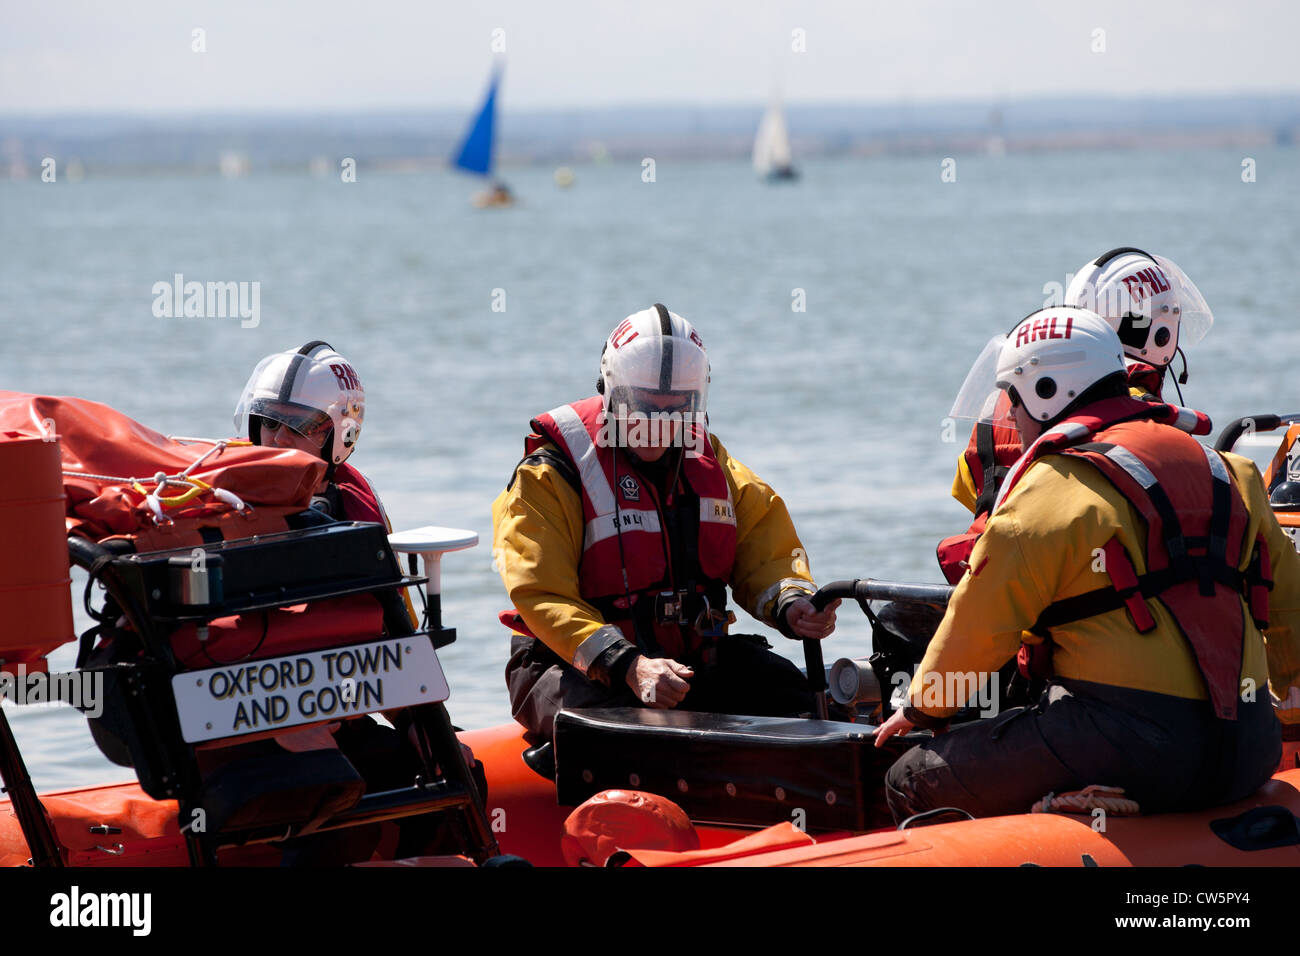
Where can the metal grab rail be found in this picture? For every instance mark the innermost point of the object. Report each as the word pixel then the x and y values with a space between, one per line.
pixel 861 590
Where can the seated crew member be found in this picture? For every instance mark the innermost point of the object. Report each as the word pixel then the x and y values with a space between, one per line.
pixel 618 535
pixel 1163 691
pixel 311 399
pixel 1155 309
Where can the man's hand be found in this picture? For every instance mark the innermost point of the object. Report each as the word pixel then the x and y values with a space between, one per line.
pixel 807 622
pixel 896 724
pixel 659 682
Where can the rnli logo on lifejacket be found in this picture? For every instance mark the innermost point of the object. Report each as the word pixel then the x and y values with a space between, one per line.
pixel 631 490
pixel 1040 329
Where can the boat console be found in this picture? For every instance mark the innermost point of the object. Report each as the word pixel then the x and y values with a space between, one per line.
pixel 211 656
pixel 727 769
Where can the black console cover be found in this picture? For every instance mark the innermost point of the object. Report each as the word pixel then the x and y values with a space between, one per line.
pixel 722 768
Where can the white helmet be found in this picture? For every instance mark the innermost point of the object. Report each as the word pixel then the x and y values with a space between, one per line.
pixel 1147 299
pixel 1053 356
pixel 312 389
pixel 655 362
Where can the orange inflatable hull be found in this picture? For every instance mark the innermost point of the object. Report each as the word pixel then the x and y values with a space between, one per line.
pixel 517 793
pixel 528 822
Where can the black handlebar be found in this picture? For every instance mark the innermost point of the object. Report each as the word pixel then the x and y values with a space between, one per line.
pixel 861 589
pixel 866 589
pixel 1251 423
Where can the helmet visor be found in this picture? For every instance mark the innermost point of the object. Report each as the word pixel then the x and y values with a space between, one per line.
pixel 978 398
pixel 645 418
pixel 1196 318
pixel 683 404
pixel 308 422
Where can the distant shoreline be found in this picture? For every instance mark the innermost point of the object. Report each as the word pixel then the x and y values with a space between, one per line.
pixel 416 141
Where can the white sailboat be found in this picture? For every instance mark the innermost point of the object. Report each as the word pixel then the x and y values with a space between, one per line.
pixel 772 160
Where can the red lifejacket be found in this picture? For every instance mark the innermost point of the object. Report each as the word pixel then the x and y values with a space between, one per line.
pixel 992 445
pixel 625 548
pixel 1195 522
pixel 991 451
pixel 993 448
pixel 1149 378
pixel 360 503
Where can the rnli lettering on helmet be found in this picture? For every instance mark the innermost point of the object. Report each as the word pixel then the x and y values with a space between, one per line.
pixel 347 377
pixel 1041 329
pixel 616 338
pixel 1145 282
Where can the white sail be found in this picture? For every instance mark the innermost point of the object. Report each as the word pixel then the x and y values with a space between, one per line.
pixel 772 144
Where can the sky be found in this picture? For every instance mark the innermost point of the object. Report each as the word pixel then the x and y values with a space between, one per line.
pixel 138 56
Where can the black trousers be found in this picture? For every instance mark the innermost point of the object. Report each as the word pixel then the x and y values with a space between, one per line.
pixel 746 678
pixel 1167 753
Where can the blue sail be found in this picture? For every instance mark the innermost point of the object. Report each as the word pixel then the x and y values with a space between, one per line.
pixel 475 153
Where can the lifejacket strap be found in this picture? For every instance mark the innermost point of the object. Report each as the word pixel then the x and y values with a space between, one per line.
pixel 990 479
pixel 1124 579
pixel 1259 581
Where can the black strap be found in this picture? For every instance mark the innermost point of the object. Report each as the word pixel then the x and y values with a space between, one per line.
pixel 549 455
pixel 666 353
pixel 1220 517
pixel 993 475
pixel 86 644
pixel 1105 257
pixel 1150 585
pixel 295 363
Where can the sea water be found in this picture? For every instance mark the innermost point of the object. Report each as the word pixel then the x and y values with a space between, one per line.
pixel 840 312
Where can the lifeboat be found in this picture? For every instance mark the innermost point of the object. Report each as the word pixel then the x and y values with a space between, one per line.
pixel 242 641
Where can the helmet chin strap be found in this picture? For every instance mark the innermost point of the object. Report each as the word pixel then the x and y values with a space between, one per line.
pixel 1181 379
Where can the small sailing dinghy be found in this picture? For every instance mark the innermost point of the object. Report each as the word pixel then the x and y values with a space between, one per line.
pixel 476 151
pixel 772 160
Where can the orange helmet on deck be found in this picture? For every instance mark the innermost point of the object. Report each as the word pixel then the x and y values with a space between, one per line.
pixel 615 820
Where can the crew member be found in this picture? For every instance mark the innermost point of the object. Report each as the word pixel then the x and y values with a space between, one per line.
pixel 618 535
pixel 1153 571
pixel 1155 309
pixel 311 399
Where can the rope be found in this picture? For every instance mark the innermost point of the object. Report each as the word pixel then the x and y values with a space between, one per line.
pixel 1088 799
pixel 194 487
